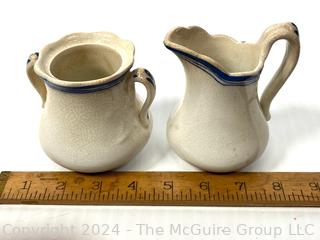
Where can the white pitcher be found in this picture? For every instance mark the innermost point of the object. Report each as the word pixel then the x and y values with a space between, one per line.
pixel 221 124
pixel 92 120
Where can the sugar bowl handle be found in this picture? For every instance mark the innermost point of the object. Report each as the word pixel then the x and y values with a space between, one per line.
pixel 143 76
pixel 34 79
pixel 289 32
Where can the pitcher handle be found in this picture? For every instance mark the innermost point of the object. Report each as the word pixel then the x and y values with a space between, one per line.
pixel 289 32
pixel 143 76
pixel 34 79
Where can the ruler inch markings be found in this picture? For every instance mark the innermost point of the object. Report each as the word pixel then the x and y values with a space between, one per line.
pixel 28 189
pixel 8 196
pixel 4 176
pixel 215 189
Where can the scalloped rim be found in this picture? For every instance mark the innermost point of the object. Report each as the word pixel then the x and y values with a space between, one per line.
pixel 169 43
pixel 123 47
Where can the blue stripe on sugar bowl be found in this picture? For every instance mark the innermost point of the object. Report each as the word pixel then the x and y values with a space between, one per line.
pixel 216 73
pixel 85 89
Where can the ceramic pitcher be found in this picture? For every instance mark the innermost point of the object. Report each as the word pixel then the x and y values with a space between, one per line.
pixel 92 120
pixel 221 124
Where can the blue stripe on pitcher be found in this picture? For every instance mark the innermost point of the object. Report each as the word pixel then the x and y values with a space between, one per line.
pixel 216 73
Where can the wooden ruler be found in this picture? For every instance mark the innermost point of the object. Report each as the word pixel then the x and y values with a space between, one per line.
pixel 162 188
